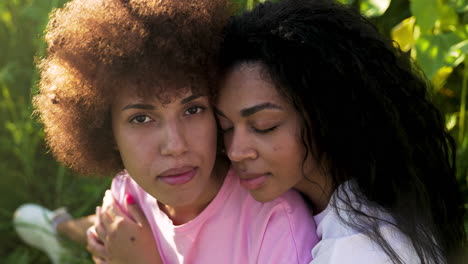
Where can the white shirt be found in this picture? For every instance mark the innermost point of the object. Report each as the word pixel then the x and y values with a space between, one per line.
pixel 340 244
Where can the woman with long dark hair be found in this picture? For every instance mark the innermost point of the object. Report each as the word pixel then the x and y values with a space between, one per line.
pixel 378 162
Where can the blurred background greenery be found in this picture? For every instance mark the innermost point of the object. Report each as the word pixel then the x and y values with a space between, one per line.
pixel 434 32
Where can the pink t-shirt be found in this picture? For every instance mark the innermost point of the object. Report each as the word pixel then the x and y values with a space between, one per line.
pixel 233 228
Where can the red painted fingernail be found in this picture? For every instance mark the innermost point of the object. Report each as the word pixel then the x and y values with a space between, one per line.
pixel 129 199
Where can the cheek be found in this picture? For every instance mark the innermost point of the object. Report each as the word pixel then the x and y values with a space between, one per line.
pixel 286 152
pixel 282 152
pixel 136 148
pixel 202 133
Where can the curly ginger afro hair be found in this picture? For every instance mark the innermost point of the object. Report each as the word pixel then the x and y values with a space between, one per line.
pixel 96 47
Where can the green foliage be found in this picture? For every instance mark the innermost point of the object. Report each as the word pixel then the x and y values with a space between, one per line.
pixel 29 173
pixel 434 32
pixel 427 12
pixel 373 8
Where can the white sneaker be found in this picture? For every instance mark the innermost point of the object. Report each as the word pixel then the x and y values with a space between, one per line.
pixel 36 226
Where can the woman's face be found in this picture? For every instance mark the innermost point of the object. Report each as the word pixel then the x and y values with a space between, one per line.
pixel 262 133
pixel 168 149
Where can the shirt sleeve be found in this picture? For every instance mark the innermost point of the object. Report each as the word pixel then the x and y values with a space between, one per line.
pixel 289 233
pixel 123 184
pixel 360 249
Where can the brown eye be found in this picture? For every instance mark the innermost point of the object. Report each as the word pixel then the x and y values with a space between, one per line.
pixel 140 119
pixel 193 110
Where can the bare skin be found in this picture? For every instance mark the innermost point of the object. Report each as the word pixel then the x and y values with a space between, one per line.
pixel 134 235
pixel 75 229
pixel 262 135
pixel 125 235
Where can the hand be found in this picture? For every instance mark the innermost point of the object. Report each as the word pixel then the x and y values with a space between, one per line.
pixel 118 237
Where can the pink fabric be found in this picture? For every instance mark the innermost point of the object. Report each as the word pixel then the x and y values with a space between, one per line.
pixel 234 228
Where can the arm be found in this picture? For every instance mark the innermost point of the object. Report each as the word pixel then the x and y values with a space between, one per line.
pixel 118 237
pixel 75 229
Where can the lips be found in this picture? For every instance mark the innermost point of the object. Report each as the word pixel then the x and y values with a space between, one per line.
pixel 253 181
pixel 178 176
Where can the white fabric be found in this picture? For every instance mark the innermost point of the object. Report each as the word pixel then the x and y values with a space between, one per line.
pixel 340 244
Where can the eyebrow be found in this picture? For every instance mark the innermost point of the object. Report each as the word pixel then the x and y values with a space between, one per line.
pixel 250 110
pixel 139 106
pixel 151 107
pixel 190 98
pixel 256 108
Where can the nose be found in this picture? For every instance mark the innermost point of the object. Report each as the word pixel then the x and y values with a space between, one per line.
pixel 239 146
pixel 174 143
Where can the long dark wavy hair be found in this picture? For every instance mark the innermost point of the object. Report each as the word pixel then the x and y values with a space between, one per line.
pixel 367 109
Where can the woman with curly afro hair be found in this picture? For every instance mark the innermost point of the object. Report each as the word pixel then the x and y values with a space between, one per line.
pixel 125 87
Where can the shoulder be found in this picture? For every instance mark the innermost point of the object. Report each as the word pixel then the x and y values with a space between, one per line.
pixel 360 249
pixel 278 231
pixel 341 244
pixel 289 208
pixel 124 184
pixel 121 178
pixel 283 230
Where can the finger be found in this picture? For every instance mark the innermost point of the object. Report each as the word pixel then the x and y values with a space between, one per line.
pixel 112 207
pixel 91 232
pixel 99 227
pixel 107 201
pixel 98 260
pixel 97 219
pixel 115 210
pixel 108 198
pixel 95 247
pixel 106 219
pixel 134 210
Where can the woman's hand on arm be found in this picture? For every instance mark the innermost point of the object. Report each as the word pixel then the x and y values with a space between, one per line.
pixel 118 237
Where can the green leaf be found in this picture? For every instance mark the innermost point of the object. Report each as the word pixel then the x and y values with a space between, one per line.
pixel 346 2
pixel 448 18
pixel 433 52
pixel 461 46
pixel 374 8
pixel 451 120
pixel 427 12
pixel 456 53
pixel 405 34
pixel 440 79
pixel 460 6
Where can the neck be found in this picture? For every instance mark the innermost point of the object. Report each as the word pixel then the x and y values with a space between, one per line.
pixel 317 190
pixel 183 214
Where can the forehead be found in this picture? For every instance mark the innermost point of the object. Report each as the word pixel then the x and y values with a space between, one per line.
pixel 160 96
pixel 246 85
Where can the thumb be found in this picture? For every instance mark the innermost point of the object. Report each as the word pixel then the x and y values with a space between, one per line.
pixel 134 210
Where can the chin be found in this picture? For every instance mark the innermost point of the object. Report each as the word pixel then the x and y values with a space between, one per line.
pixel 262 196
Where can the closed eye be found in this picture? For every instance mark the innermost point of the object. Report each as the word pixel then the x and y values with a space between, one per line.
pixel 264 131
